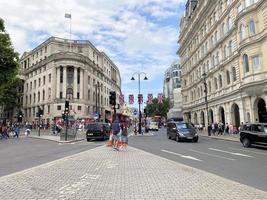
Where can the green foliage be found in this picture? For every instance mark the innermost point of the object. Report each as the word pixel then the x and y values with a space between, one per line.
pixel 156 109
pixel 9 69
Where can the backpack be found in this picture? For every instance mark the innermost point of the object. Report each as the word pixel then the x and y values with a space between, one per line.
pixel 115 127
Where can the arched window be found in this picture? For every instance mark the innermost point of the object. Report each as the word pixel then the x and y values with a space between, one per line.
pixel 217 58
pixel 230 47
pixel 234 74
pixel 216 36
pixel 227 77
pixel 245 63
pixel 223 29
pixel 34 97
pixel 225 51
pixel 215 83
pixel 43 95
pixel 252 27
pixel 242 32
pixel 70 93
pixel 208 65
pixel 220 81
pixel 229 22
pixel 209 86
pixel 38 96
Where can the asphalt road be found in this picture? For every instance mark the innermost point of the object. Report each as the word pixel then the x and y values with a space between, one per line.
pixel 24 153
pixel 224 158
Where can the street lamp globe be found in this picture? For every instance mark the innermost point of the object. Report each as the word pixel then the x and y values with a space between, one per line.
pixel 132 79
pixel 145 78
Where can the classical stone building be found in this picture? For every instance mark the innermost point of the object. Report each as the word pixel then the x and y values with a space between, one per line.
pixel 172 89
pixel 223 43
pixel 58 70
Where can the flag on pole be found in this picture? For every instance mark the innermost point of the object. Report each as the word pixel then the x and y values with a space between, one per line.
pixel 140 98
pixel 131 99
pixel 149 98
pixel 121 99
pixel 67 15
pixel 160 98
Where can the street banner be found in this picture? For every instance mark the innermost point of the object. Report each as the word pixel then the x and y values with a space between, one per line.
pixel 131 99
pixel 121 99
pixel 149 98
pixel 140 98
pixel 160 98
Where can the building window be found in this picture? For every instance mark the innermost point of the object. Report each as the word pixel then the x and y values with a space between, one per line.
pixel 60 95
pixel 209 87
pixel 43 95
pixel 234 74
pixel 61 74
pixel 69 93
pixel 49 77
pixel 34 97
pixel 31 85
pixel 78 76
pixel 34 84
pixel 229 22
pixel 43 80
pixel 256 62
pixel 58 107
pixel 79 107
pixel 48 109
pixel 227 77
pixel 30 98
pixel 89 80
pixel 245 63
pixel 230 48
pixel 38 96
pixel 220 81
pixel 89 94
pixel 252 28
pixel 225 52
pixel 78 95
pixel 26 99
pixel 215 83
pixel 242 32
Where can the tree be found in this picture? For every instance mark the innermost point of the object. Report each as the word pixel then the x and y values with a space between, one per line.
pixel 157 109
pixel 9 82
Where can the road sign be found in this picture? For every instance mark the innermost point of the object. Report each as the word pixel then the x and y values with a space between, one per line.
pixel 96 116
pixel 135 112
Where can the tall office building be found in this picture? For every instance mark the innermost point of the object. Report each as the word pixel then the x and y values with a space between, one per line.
pixel 223 54
pixel 58 70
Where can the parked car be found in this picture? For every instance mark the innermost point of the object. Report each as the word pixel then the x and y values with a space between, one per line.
pixel 253 133
pixel 153 126
pixel 181 131
pixel 97 130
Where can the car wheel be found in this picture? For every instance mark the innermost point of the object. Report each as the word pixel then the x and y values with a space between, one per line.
pixel 195 140
pixel 177 138
pixel 88 140
pixel 246 142
pixel 168 136
pixel 104 137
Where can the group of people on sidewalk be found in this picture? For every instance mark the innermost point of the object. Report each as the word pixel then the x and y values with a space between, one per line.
pixel 219 128
pixel 9 131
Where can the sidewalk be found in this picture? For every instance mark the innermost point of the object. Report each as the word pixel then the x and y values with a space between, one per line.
pixel 47 135
pixel 103 173
pixel 234 138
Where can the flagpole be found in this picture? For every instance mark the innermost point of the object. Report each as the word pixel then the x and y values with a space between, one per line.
pixel 70 32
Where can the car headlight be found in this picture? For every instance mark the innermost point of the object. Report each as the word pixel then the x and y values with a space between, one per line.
pixel 196 134
pixel 182 135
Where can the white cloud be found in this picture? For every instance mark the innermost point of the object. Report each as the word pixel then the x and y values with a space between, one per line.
pixel 123 29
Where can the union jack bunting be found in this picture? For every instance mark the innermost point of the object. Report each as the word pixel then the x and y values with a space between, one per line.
pixel 121 99
pixel 149 98
pixel 160 98
pixel 140 98
pixel 131 99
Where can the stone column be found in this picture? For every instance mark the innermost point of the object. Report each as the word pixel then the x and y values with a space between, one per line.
pixel 81 83
pixel 75 84
pixel 58 83
pixel 64 90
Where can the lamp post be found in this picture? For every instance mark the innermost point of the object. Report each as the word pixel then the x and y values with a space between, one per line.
pixel 97 86
pixel 139 103
pixel 206 98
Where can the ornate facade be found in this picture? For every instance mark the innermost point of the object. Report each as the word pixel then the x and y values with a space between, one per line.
pixel 223 44
pixel 58 70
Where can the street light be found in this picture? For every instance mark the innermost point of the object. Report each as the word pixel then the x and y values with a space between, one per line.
pixel 139 109
pixel 97 86
pixel 204 75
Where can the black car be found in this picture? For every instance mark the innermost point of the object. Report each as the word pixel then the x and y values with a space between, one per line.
pixel 98 130
pixel 253 133
pixel 181 131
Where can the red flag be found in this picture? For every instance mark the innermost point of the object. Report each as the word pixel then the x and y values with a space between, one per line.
pixel 149 98
pixel 121 99
pixel 140 98
pixel 160 98
pixel 131 99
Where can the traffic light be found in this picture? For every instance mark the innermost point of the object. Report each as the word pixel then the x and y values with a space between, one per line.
pixel 112 98
pixel 40 112
pixel 20 115
pixel 63 116
pixel 67 105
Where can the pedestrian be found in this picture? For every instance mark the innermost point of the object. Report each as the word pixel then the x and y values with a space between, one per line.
pixel 115 132
pixel 231 129
pixel 124 136
pixel 17 131
pixel 227 128
pixel 209 129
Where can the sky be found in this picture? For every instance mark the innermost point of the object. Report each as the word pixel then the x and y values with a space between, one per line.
pixel 138 35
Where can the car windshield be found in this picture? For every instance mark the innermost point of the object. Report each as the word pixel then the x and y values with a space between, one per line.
pixel 93 127
pixel 182 126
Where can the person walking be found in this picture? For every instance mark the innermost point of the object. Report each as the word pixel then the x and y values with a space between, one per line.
pixel 124 136
pixel 17 131
pixel 115 132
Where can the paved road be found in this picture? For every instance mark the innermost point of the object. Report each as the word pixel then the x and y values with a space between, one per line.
pixel 224 158
pixel 23 153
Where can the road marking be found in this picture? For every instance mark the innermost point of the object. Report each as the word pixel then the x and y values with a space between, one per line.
pixel 182 156
pixel 260 153
pixel 232 153
pixel 208 154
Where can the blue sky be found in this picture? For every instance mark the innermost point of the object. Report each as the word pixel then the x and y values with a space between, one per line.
pixel 138 35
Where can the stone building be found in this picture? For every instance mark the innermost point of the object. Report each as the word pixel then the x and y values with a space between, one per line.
pixel 223 44
pixel 172 89
pixel 58 70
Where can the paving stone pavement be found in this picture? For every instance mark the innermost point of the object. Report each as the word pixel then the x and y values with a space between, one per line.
pixel 103 173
